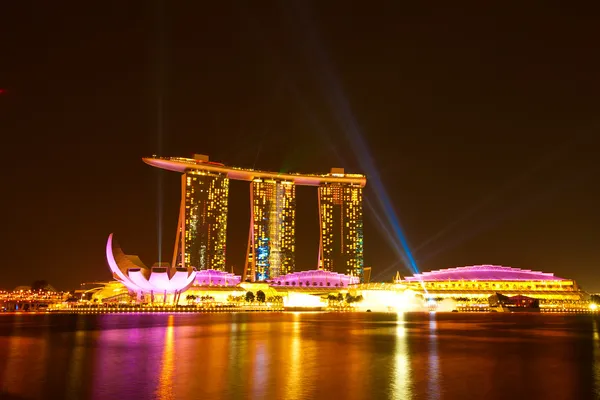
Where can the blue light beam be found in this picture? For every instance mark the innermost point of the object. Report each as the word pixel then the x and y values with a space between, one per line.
pixel 340 106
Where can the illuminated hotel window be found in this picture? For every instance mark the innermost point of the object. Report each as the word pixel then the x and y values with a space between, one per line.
pixel 206 221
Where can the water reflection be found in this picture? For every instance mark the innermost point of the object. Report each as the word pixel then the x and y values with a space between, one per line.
pixel 401 384
pixel 294 373
pixel 25 361
pixel 128 356
pixel 257 366
pixel 237 352
pixel 217 355
pixel 356 359
pixel 76 367
pixel 596 365
pixel 299 356
pixel 167 367
pixel 433 374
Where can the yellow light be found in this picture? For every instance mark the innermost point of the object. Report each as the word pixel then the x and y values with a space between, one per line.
pixel 593 306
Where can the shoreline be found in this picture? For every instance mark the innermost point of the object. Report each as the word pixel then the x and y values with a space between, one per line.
pixel 177 310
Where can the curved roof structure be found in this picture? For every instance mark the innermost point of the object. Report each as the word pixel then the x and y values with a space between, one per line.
pixel 182 165
pixel 484 273
pixel 314 278
pixel 209 277
pixel 139 278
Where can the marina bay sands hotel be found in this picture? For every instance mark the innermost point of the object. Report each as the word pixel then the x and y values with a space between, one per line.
pixel 202 227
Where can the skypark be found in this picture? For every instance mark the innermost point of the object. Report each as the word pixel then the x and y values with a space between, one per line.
pixel 201 163
pixel 202 229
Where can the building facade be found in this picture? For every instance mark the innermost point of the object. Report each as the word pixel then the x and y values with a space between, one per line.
pixel 315 279
pixel 483 281
pixel 201 234
pixel 205 220
pixel 271 241
pixel 341 223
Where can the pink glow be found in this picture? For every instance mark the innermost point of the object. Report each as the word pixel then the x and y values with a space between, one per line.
pixel 179 279
pixel 190 280
pixel 160 281
pixel 211 277
pixel 140 280
pixel 115 268
pixel 315 278
pixel 135 280
pixel 484 273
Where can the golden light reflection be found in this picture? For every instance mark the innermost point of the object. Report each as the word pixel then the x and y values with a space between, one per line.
pixel 401 377
pixel 74 377
pixel 433 375
pixel 257 363
pixel 167 368
pixel 596 356
pixel 218 353
pixel 260 369
pixel 10 378
pixel 19 371
pixel 294 380
pixel 238 351
pixel 357 361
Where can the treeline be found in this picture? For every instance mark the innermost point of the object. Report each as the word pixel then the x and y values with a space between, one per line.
pixel 348 298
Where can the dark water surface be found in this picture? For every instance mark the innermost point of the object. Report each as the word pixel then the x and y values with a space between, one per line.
pixel 299 356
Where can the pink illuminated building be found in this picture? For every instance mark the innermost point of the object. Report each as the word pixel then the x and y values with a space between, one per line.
pixel 315 278
pixel 140 279
pixel 211 277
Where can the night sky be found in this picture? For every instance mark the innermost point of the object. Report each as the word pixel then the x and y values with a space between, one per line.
pixel 482 121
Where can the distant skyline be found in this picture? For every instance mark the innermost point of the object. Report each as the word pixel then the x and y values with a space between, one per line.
pixel 480 120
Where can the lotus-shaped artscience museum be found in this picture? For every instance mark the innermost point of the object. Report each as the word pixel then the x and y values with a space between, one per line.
pixel 130 271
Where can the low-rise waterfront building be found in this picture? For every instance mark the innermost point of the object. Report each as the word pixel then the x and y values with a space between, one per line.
pixel 28 300
pixel 482 281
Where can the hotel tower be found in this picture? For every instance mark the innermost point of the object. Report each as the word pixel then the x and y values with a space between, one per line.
pixel 341 223
pixel 271 241
pixel 202 228
pixel 205 225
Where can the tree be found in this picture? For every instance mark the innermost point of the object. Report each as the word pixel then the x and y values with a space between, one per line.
pixel 260 296
pixel 340 297
pixel 274 299
pixel 249 297
pixel 39 285
pixel 595 298
pixel 190 298
pixel 353 299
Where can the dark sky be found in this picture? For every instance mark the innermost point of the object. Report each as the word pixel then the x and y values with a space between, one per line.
pixel 483 123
